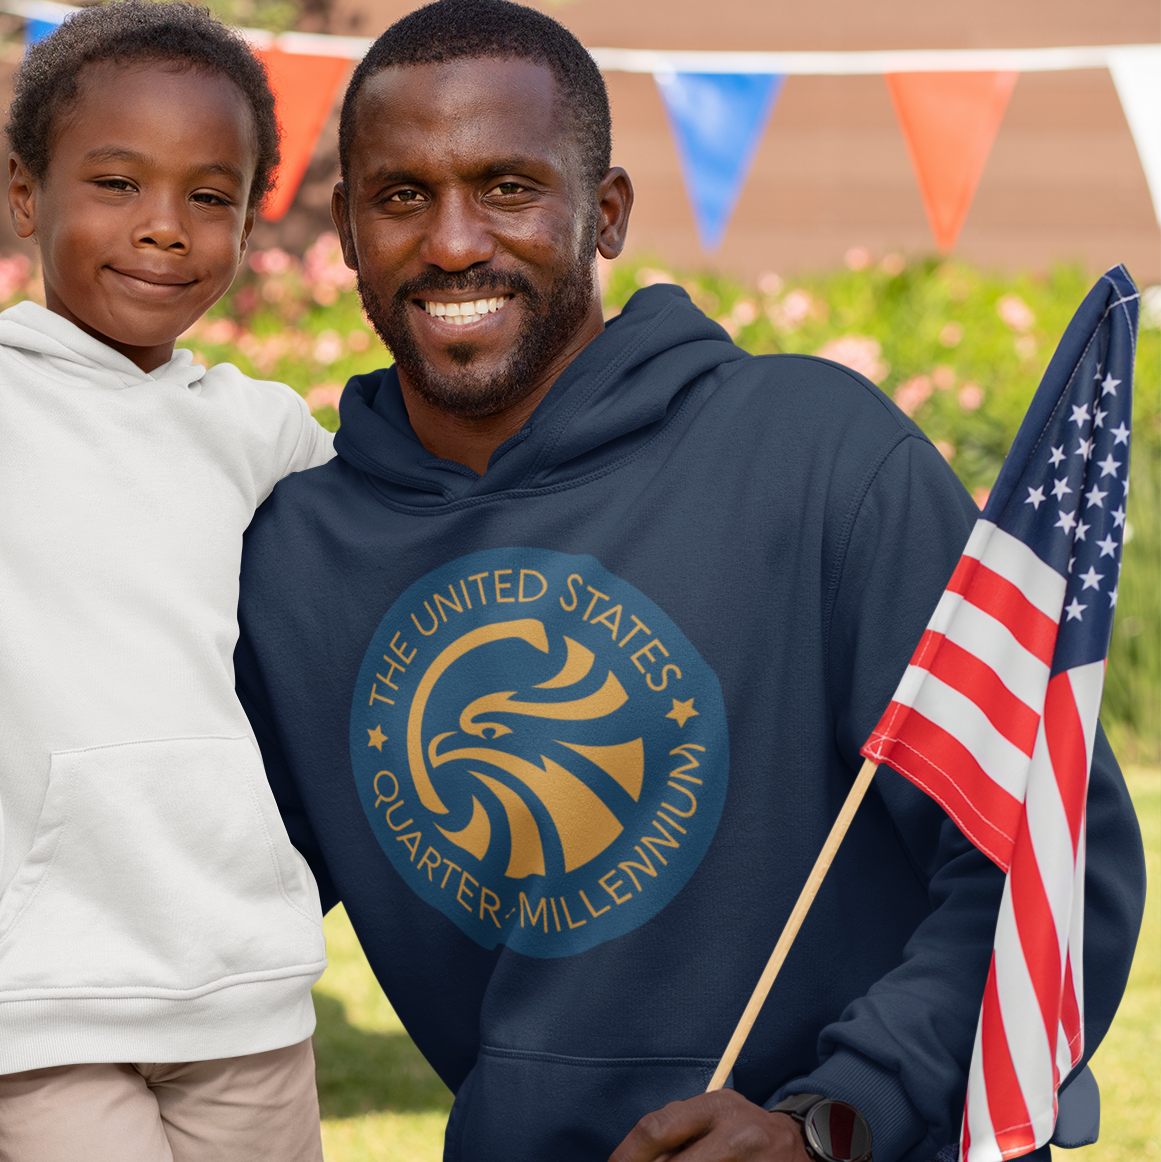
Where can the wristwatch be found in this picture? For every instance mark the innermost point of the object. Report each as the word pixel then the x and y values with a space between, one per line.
pixel 834 1131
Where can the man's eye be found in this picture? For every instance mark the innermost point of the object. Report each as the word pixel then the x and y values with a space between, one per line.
pixel 407 197
pixel 507 189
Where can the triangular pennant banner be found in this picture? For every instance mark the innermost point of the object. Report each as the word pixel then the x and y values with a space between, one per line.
pixel 949 121
pixel 36 29
pixel 304 89
pixel 1137 75
pixel 717 121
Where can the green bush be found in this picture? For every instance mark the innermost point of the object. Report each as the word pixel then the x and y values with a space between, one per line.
pixel 959 349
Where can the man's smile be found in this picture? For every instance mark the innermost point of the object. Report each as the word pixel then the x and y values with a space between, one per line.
pixel 462 314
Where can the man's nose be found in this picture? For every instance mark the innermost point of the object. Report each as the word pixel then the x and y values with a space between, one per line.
pixel 458 234
pixel 164 223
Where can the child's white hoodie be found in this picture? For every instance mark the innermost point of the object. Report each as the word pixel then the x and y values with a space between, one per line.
pixel 152 907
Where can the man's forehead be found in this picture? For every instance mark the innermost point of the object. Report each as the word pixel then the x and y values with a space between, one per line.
pixel 465 119
pixel 464 91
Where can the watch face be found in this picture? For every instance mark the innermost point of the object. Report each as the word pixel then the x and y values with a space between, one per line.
pixel 837 1132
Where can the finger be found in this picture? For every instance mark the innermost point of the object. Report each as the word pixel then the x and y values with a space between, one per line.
pixel 660 1134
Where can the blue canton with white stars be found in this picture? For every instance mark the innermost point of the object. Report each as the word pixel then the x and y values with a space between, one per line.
pixel 1064 489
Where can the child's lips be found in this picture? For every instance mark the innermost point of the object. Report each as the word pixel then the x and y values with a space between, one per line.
pixel 156 283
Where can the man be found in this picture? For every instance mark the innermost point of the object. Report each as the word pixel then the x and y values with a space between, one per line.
pixel 561 669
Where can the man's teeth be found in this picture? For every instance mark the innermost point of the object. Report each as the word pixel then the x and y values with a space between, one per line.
pixel 460 314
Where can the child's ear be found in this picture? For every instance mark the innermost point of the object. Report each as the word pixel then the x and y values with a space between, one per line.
pixel 247 226
pixel 22 190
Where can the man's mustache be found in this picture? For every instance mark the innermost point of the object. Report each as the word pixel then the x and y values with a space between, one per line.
pixel 459 282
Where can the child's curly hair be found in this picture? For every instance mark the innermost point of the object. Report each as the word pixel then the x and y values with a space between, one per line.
pixel 131 31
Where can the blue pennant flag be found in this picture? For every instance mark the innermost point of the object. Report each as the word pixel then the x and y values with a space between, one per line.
pixel 717 120
pixel 35 30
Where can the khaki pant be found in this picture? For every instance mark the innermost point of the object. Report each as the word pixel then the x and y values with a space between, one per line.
pixel 259 1108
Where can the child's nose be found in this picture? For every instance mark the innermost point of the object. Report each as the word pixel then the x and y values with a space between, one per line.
pixel 164 227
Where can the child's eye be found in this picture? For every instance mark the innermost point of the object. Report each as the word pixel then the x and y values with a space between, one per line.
pixel 116 184
pixel 207 199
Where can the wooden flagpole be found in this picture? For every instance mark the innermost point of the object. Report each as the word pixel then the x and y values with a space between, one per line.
pixel 790 931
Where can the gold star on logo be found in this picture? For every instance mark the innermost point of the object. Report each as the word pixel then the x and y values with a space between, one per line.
pixel 682 711
pixel 378 738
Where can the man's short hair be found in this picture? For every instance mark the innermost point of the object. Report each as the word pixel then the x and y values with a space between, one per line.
pixel 134 32
pixel 451 30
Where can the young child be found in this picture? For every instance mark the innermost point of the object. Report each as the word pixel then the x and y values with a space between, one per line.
pixel 159 935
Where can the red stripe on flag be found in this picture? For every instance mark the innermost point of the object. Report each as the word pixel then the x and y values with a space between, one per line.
pixel 1070 1015
pixel 1039 943
pixel 928 755
pixel 1006 1109
pixel 1000 599
pixel 1067 750
pixel 963 671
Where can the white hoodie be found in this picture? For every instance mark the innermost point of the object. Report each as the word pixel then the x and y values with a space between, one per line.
pixel 152 907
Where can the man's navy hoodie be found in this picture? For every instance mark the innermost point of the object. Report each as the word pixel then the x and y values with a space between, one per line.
pixel 566 739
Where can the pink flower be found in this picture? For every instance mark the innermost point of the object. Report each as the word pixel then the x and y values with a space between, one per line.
pixel 770 283
pixel 792 311
pixel 946 449
pixel 971 397
pixel 219 331
pixel 1015 312
pixel 273 261
pixel 951 334
pixel 858 258
pixel 13 273
pixel 745 312
pixel 326 272
pixel 944 377
pixel 325 395
pixel 328 348
pixel 913 394
pixel 860 353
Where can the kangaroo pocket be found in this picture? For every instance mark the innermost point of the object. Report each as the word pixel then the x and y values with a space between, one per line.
pixel 531 1107
pixel 156 867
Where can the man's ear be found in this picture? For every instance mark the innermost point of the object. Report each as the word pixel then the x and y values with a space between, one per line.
pixel 615 198
pixel 22 194
pixel 341 216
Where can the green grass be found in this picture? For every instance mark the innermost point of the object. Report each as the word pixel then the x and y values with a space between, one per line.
pixel 381 1101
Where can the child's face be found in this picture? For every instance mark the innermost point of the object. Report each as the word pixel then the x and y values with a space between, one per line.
pixel 143 214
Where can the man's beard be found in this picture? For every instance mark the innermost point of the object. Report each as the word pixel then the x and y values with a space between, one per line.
pixel 551 320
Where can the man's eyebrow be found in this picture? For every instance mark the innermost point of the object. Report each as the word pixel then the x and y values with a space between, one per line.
pixel 507 165
pixel 116 153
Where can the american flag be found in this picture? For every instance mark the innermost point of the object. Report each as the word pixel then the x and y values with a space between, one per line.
pixel 996 714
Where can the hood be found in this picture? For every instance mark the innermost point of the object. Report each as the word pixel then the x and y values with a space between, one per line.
pixel 66 352
pixel 617 393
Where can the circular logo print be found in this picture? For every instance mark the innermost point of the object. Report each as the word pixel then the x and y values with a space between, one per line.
pixel 541 752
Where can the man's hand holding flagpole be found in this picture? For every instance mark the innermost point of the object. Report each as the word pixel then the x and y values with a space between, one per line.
pixel 996 717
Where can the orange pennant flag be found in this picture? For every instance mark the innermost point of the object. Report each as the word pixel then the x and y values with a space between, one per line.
pixel 949 121
pixel 304 92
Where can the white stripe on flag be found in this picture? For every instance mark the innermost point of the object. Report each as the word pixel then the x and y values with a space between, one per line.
pixel 957 714
pixel 1048 828
pixel 1087 684
pixel 1023 1024
pixel 1076 939
pixel 977 1114
pixel 1015 562
pixel 978 541
pixel 992 642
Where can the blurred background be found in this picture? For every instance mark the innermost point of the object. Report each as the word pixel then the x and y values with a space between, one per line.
pixel 837 233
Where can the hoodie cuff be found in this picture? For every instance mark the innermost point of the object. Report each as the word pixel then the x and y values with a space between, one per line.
pixel 875 1092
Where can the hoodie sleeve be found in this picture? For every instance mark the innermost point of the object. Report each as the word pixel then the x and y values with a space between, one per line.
pixel 314 446
pixel 901 1052
pixel 251 691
